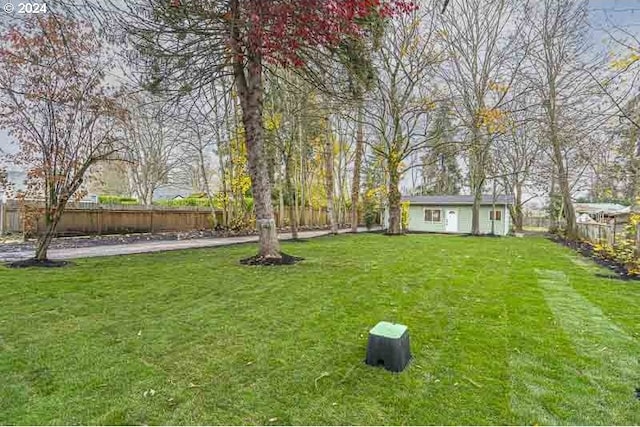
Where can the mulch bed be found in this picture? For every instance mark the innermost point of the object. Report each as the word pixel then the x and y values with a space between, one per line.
pixel 586 249
pixel 32 262
pixel 284 259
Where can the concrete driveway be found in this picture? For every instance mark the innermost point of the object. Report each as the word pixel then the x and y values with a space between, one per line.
pixel 156 246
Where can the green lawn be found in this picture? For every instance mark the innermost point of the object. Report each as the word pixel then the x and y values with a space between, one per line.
pixel 503 331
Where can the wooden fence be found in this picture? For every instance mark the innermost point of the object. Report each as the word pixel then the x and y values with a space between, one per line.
pixel 603 233
pixel 93 219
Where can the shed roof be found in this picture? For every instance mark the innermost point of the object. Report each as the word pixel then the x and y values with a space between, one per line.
pixel 487 199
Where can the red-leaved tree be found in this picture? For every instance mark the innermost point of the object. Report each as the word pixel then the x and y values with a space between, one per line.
pixel 56 105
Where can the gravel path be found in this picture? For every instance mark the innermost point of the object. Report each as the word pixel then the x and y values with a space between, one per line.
pixel 9 253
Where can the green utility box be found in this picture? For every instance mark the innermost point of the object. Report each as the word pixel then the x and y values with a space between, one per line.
pixel 388 346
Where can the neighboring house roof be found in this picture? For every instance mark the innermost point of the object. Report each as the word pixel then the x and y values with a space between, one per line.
pixel 168 192
pixel 624 211
pixel 487 199
pixel 596 208
pixel 584 218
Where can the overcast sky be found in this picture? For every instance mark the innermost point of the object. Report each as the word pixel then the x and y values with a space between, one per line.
pixel 625 13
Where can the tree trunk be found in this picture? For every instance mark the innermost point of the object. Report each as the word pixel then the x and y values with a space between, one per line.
pixel 475 210
pixel 329 184
pixel 223 183
pixel 293 211
pixel 42 246
pixel 518 216
pixel 355 186
pixel 281 208
pixel 395 211
pixel 571 228
pixel 207 187
pixel 553 220
pixel 477 178
pixel 301 203
pixel 250 89
pixel 477 182
pixel 44 240
pixel 146 195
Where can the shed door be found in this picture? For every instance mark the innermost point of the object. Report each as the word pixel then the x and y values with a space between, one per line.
pixel 451 225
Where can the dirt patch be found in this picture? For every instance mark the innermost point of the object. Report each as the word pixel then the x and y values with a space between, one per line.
pixel 619 271
pixel 35 263
pixel 284 259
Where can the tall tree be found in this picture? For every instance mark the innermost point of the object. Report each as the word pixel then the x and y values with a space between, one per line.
pixel 439 169
pixel 558 71
pixel 65 119
pixel 356 56
pixel 400 109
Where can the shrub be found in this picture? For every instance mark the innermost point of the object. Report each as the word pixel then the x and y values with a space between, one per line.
pixel 248 203
pixel 404 210
pixel 117 200
pixel 623 253
pixel 370 214
pixel 189 201
pixel 242 224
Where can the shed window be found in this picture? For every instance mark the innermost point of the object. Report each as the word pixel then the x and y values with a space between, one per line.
pixel 432 215
pixel 495 214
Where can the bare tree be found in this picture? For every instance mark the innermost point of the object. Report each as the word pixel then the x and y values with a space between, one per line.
pixel 200 132
pixel 152 146
pixel 517 152
pixel 558 73
pixel 486 43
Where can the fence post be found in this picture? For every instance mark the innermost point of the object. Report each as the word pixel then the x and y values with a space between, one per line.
pixel 599 234
pixel 99 221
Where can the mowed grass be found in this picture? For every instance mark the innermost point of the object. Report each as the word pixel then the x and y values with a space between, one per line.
pixel 503 331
